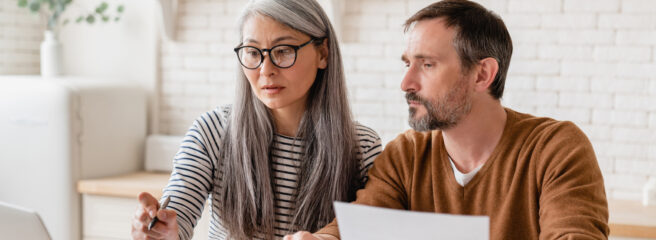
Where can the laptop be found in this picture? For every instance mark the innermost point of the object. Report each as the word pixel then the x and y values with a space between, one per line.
pixel 20 223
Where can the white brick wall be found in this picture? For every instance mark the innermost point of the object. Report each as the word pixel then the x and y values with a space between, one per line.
pixel 594 6
pixel 20 37
pixel 622 54
pixel 639 6
pixel 569 21
pixel 626 21
pixel 535 6
pixel 561 51
pixel 592 62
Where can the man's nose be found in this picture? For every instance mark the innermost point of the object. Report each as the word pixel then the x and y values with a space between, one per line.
pixel 410 81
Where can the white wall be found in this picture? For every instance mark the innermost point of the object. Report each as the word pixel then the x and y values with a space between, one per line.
pixel 126 50
pixel 20 36
pixel 589 61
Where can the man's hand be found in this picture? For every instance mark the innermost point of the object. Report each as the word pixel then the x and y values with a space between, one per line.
pixel 166 226
pixel 302 235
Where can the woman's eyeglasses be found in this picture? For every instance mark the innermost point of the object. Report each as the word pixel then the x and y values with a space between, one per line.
pixel 282 56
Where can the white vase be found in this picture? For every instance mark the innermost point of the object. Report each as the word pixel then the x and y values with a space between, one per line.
pixel 649 193
pixel 51 55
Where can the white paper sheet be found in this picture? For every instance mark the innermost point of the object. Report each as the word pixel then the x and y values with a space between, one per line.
pixel 359 222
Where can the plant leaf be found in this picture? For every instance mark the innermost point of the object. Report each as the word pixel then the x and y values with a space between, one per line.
pixel 22 3
pixel 91 19
pixel 35 7
pixel 120 8
pixel 105 18
pixel 116 19
pixel 101 8
pixel 79 19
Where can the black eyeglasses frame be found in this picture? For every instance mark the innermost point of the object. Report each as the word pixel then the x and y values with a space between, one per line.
pixel 268 51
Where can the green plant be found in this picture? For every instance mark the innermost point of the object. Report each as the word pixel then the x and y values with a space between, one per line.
pixel 53 9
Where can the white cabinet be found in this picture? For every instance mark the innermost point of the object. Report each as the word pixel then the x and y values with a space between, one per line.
pixel 54 132
pixel 109 204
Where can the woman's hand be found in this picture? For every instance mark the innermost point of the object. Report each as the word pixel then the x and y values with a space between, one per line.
pixel 309 236
pixel 166 226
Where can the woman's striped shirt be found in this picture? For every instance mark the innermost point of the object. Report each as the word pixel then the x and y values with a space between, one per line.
pixel 196 174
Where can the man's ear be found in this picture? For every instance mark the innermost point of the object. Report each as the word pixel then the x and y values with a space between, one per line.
pixel 323 54
pixel 487 72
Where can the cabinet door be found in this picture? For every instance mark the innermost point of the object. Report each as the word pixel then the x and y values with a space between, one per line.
pixel 109 218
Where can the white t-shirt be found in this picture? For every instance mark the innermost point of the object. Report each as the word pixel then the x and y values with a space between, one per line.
pixel 463 178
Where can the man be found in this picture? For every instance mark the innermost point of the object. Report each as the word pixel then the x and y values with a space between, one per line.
pixel 536 178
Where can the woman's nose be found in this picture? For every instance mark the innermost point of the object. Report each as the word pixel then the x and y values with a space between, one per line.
pixel 267 67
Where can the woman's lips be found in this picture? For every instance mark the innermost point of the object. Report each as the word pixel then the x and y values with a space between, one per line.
pixel 272 89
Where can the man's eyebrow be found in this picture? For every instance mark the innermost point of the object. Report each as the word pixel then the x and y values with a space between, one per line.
pixel 418 57
pixel 423 56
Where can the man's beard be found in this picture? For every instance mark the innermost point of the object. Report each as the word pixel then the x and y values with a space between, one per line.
pixel 442 113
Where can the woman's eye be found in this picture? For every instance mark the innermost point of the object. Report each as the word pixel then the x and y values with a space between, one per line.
pixel 283 51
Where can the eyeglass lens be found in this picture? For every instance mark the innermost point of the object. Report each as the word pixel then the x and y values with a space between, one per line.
pixel 282 56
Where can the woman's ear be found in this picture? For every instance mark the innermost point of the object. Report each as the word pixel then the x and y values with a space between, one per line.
pixel 323 54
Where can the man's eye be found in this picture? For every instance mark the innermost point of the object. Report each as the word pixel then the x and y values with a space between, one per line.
pixel 428 65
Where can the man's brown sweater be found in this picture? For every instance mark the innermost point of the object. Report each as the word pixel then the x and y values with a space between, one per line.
pixel 542 181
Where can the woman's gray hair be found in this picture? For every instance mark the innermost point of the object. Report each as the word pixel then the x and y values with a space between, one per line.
pixel 329 170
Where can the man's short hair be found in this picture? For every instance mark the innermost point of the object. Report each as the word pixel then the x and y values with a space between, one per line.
pixel 480 34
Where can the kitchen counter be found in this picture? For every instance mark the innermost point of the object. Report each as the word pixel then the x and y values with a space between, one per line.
pixel 627 218
pixel 108 204
pixel 128 185
pixel 632 219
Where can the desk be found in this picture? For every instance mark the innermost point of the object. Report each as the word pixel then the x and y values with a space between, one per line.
pixel 632 219
pixel 108 204
pixel 129 185
pixel 107 196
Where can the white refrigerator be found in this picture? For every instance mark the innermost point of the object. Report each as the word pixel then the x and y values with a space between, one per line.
pixel 54 132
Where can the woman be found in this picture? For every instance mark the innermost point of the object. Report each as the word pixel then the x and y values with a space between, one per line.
pixel 274 162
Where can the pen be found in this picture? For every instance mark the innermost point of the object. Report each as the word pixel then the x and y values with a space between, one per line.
pixel 164 204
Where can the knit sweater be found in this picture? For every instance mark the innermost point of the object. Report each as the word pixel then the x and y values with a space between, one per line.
pixel 198 173
pixel 542 181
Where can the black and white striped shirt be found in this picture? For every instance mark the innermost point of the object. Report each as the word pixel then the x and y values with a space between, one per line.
pixel 197 176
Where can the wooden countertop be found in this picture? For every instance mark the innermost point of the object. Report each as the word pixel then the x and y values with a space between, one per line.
pixel 632 219
pixel 627 218
pixel 129 185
